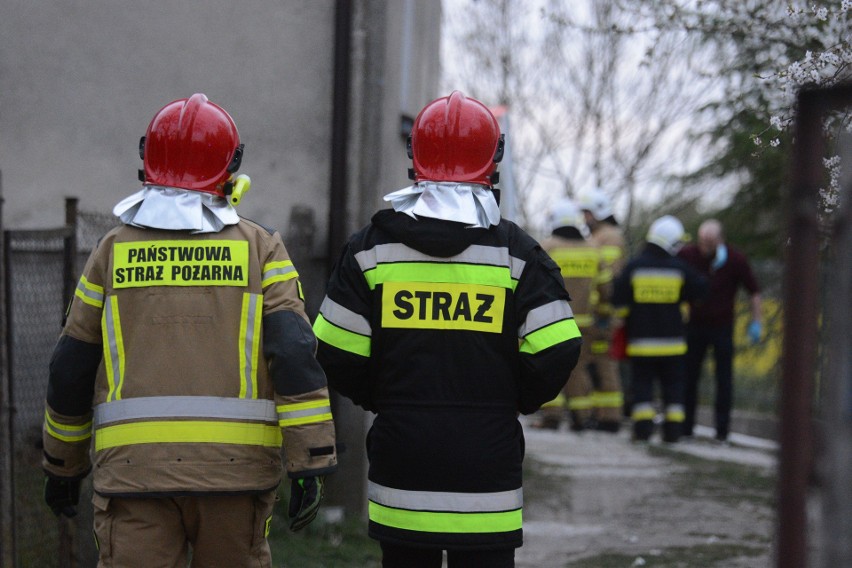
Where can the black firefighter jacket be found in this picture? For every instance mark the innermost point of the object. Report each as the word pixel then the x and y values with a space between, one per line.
pixel 446 333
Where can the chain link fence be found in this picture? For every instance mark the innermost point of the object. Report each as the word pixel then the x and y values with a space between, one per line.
pixel 41 269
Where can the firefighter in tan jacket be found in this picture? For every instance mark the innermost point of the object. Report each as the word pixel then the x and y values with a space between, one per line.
pixel 581 265
pixel 607 396
pixel 185 362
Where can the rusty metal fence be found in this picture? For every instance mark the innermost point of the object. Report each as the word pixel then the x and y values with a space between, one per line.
pixel 40 269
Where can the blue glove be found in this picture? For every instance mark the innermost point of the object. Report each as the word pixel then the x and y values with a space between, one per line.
pixel 721 257
pixel 755 330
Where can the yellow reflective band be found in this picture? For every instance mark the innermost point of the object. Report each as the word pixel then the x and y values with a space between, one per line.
pixel 67 432
pixel 301 292
pixel 304 412
pixel 675 416
pixel 558 402
pixel 279 271
pixel 424 521
pixel 498 276
pixel 427 305
pixel 584 320
pixel 267 525
pixel 180 263
pixel 608 399
pixel 580 403
pixel 610 253
pixel 577 262
pixel 113 349
pixel 341 338
pixel 643 414
pixel 600 346
pixel 656 289
pixel 249 343
pixel 549 336
pixel 189 432
pixel 89 293
pixel 656 350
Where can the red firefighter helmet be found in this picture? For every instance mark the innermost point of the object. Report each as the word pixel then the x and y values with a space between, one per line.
pixel 191 144
pixel 456 138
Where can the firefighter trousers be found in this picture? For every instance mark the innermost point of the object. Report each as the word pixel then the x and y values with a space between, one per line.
pixel 227 530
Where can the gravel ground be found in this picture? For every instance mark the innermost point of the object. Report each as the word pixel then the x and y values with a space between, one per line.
pixel 600 500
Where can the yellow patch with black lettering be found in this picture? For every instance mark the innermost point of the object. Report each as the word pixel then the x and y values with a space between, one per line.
pixel 180 263
pixel 577 262
pixel 656 289
pixel 439 305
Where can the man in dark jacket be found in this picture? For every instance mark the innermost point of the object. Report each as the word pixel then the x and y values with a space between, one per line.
pixel 447 322
pixel 648 294
pixel 711 324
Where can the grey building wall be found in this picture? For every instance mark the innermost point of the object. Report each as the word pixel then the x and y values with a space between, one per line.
pixel 79 82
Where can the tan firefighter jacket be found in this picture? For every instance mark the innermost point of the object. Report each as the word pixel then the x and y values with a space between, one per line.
pixel 185 363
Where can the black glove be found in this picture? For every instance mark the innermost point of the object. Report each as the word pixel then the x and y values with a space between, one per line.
pixel 62 494
pixel 305 498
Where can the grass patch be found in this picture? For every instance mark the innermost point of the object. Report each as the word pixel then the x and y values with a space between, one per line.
pixel 721 481
pixel 704 555
pixel 321 544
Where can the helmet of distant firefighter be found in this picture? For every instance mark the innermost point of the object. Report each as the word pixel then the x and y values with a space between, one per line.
pixel 667 233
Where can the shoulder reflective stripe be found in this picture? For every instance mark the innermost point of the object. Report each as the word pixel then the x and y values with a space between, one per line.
pixel 549 336
pixel 445 501
pixel 304 413
pixel 185 407
pixel 249 348
pixel 278 272
pixel 91 294
pixel 342 316
pixel 643 411
pixel 341 338
pixel 188 432
pixel 478 255
pixel 498 276
pixel 656 347
pixel 113 349
pixel 67 432
pixel 542 316
pixel 423 521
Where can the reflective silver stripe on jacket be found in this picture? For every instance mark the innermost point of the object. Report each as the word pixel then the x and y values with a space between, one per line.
pixel 185 407
pixel 342 316
pixel 474 254
pixel 440 501
pixel 545 315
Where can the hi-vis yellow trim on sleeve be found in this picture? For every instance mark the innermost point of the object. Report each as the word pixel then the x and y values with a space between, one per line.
pixel 113 349
pixel 89 293
pixel 188 432
pixel 549 336
pixel 342 338
pixel 67 432
pixel 279 271
pixel 425 521
pixel 180 263
pixel 304 412
pixel 249 346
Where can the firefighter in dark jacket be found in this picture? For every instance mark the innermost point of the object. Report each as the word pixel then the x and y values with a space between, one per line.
pixel 447 322
pixel 648 295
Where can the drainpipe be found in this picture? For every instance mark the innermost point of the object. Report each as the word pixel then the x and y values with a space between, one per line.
pixel 338 190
